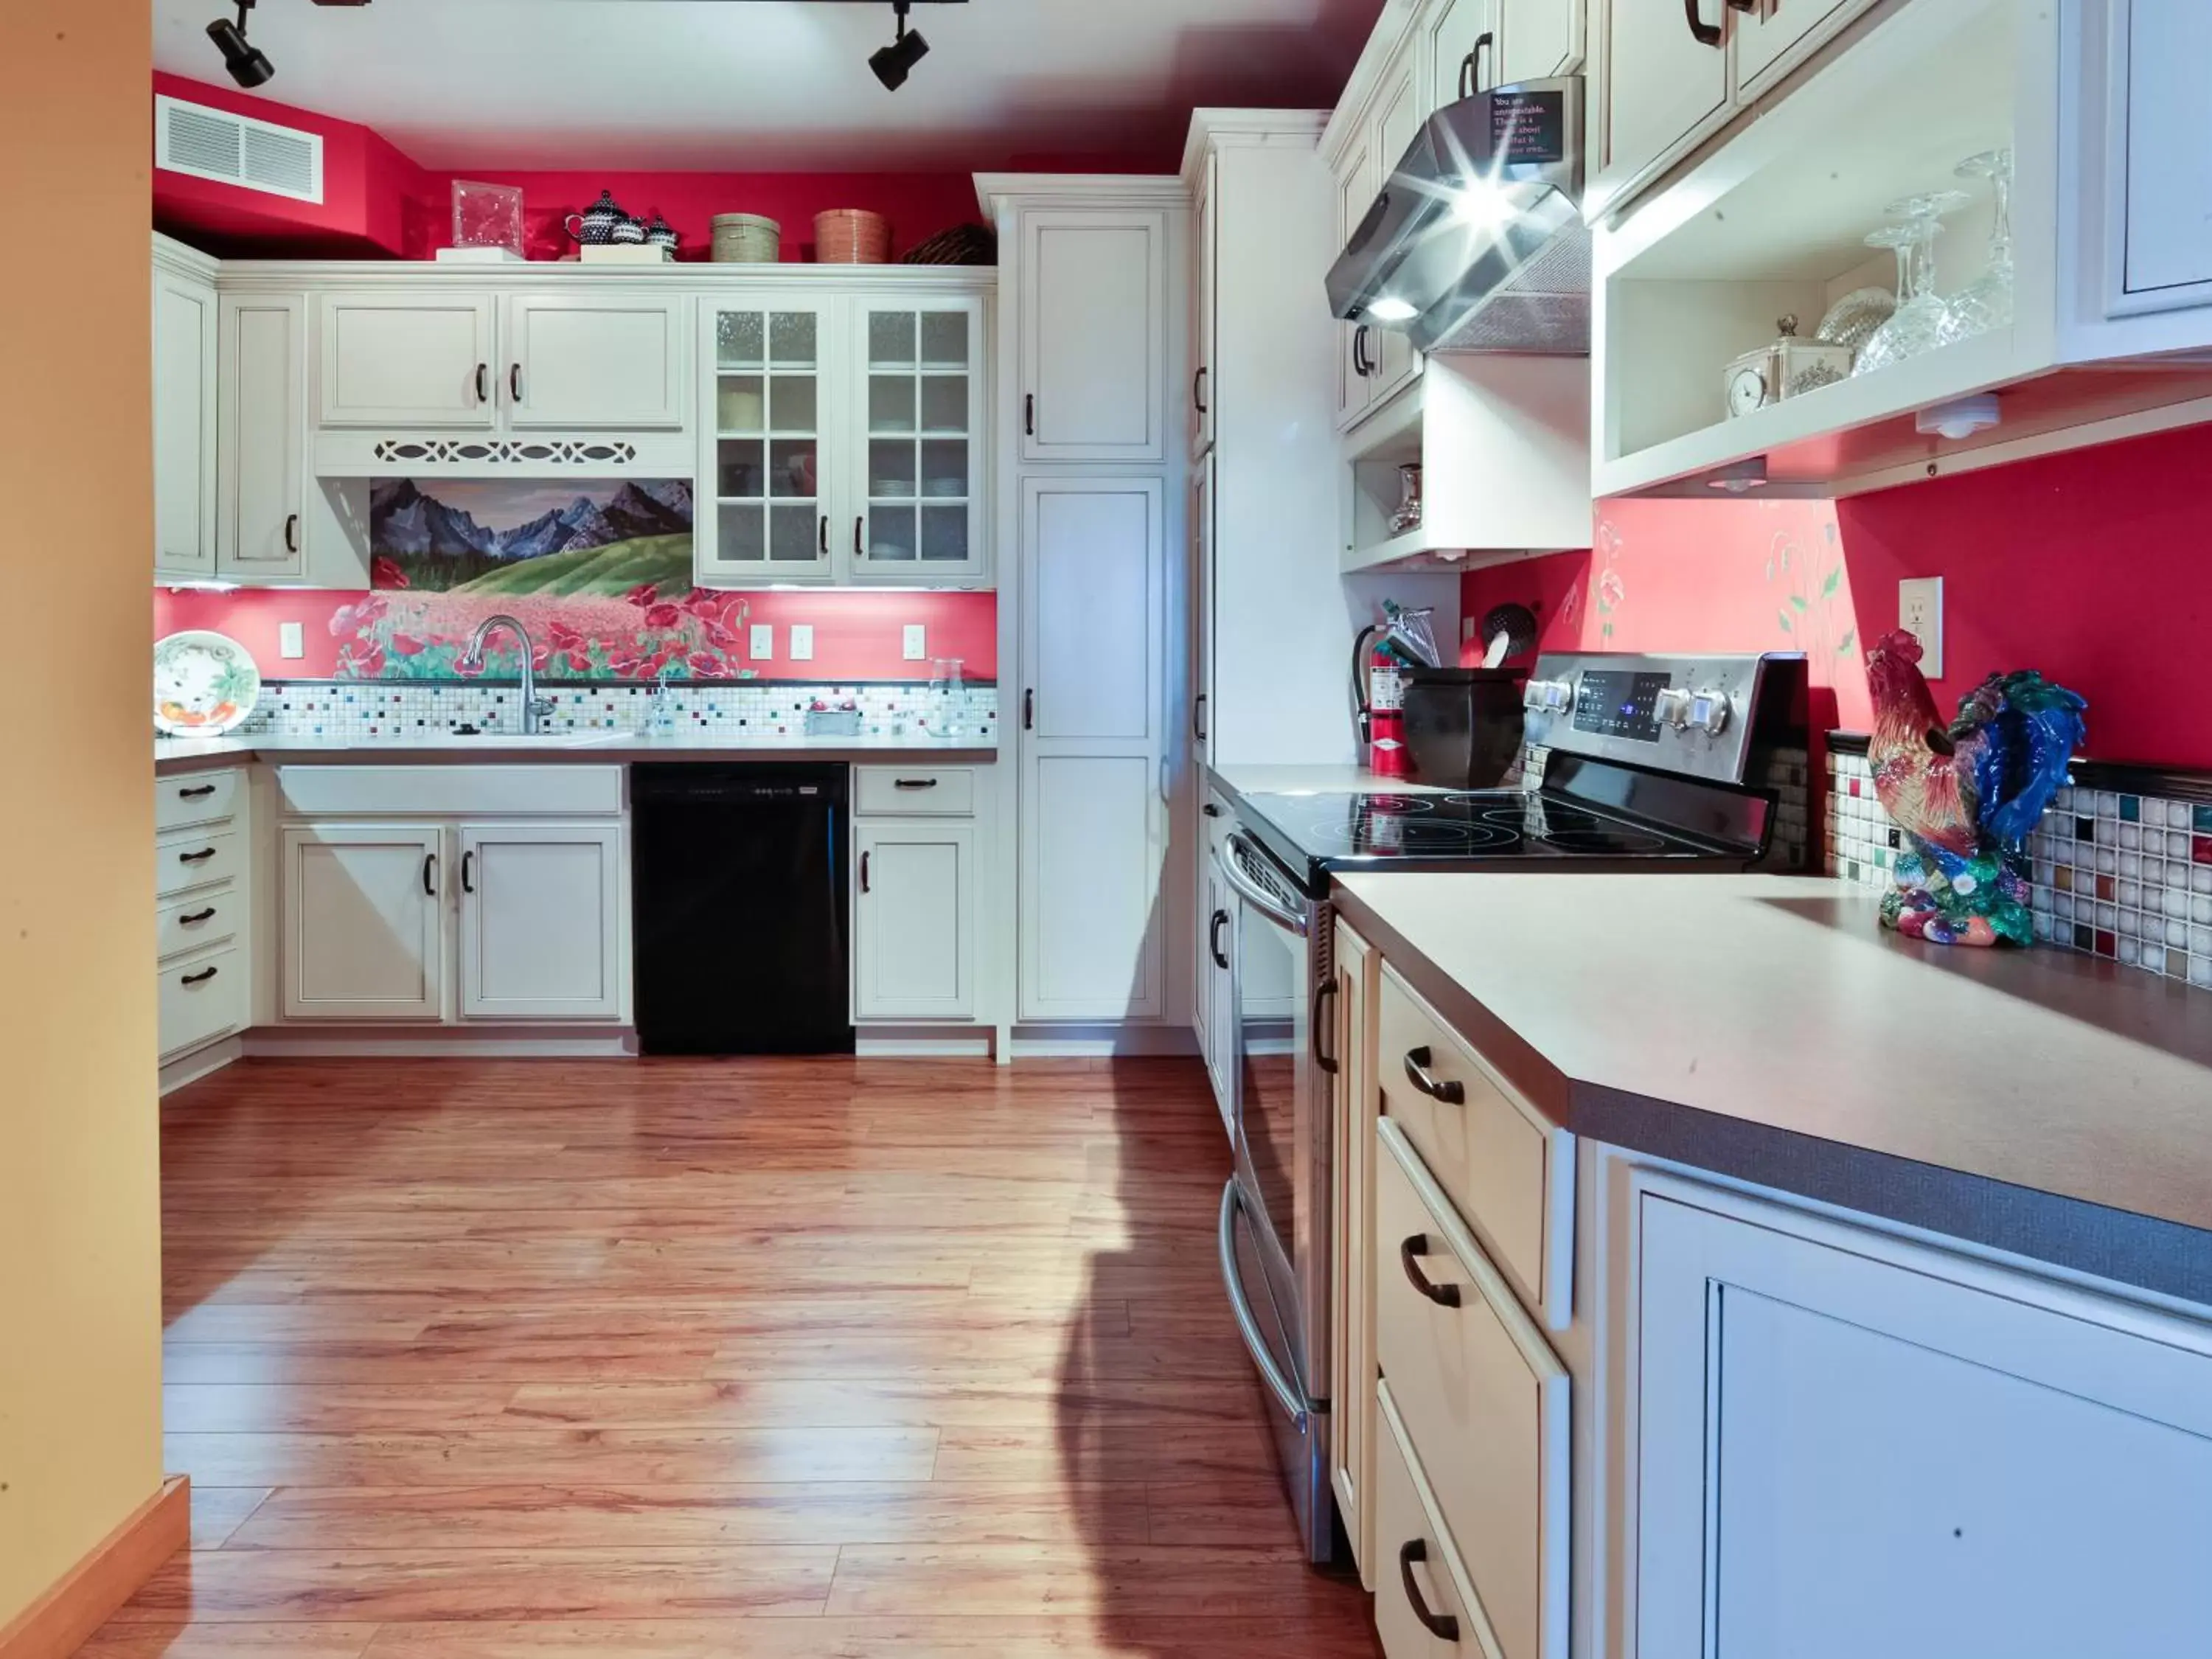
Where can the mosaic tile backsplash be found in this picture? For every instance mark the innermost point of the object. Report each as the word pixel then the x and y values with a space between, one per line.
pixel 309 708
pixel 2123 877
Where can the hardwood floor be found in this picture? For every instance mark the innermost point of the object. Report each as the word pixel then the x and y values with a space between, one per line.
pixel 787 1359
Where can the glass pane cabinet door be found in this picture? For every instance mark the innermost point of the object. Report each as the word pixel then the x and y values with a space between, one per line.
pixel 771 517
pixel 924 491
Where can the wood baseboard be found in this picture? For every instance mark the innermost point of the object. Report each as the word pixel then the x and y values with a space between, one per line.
pixel 58 1622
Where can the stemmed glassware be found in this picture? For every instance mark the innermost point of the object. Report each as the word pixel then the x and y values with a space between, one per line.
pixel 1918 324
pixel 1986 303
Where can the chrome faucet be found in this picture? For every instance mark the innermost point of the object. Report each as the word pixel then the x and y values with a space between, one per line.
pixel 536 710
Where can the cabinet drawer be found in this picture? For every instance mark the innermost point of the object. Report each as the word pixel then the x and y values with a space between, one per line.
pixel 1414 1556
pixel 500 789
pixel 198 920
pixel 1483 1401
pixel 1508 1171
pixel 201 998
pixel 195 858
pixel 915 791
pixel 195 798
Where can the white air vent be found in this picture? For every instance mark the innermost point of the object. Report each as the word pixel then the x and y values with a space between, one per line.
pixel 237 149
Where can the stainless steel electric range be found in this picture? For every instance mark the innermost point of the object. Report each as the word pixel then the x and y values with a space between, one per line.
pixel 1694 763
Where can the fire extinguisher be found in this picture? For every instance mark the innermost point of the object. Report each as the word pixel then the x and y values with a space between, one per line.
pixel 1382 716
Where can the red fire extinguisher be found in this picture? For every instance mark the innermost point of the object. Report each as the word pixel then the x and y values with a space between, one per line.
pixel 1387 755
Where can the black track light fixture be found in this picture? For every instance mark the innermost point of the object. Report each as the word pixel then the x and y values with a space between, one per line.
pixel 248 66
pixel 894 63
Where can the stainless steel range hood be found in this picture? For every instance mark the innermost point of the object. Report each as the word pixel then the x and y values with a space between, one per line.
pixel 1476 241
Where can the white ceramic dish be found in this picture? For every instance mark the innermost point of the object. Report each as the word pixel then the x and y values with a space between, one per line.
pixel 204 684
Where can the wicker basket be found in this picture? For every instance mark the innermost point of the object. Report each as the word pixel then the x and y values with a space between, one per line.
pixel 850 236
pixel 747 239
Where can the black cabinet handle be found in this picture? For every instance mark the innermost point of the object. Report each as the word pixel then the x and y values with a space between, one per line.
pixel 1211 810
pixel 200 978
pixel 1435 1088
pixel 1198 391
pixel 864 874
pixel 1705 34
pixel 913 783
pixel 514 383
pixel 1362 364
pixel 483 383
pixel 198 792
pixel 1029 413
pixel 858 551
pixel 1409 1252
pixel 468 866
pixel 200 857
pixel 1442 1625
pixel 197 917
pixel 1324 993
pixel 430 874
pixel 1470 67
pixel 1213 940
pixel 1198 717
pixel 1029 710
pixel 291 532
pixel 822 536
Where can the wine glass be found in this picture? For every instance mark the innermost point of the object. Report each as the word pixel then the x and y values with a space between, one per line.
pixel 1916 325
pixel 1986 303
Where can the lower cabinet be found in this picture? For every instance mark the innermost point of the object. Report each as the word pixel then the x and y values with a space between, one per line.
pixel 364 921
pixel 1425 1608
pixel 1351 1271
pixel 203 879
pixel 541 920
pixel 914 934
pixel 1213 1008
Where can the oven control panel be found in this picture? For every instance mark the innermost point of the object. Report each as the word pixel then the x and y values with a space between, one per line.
pixel 1692 714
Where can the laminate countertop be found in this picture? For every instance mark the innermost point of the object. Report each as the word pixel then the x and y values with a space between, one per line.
pixel 172 755
pixel 2039 1101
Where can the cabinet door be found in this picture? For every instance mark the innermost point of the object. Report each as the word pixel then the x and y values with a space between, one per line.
pixel 913 920
pixel 1766 40
pixel 622 363
pixel 407 360
pixel 919 402
pixel 1663 82
pixel 184 348
pixel 1846 1444
pixel 1092 816
pixel 1352 1285
pixel 2161 51
pixel 541 920
pixel 1399 112
pixel 363 921
pixel 1463 50
pixel 260 517
pixel 1094 335
pixel 1205 387
pixel 768 389
pixel 1205 711
pixel 1355 368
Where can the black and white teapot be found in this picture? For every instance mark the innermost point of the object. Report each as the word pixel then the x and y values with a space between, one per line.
pixel 597 223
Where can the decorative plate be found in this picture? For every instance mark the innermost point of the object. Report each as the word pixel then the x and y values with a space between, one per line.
pixel 204 684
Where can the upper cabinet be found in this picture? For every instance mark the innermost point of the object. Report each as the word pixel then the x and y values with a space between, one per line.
pixel 614 361
pixel 262 519
pixel 768 410
pixel 1094 335
pixel 412 361
pixel 185 334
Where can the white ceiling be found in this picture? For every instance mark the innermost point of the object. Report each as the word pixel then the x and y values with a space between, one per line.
pixel 776 86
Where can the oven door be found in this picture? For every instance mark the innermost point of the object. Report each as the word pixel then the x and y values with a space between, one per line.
pixel 1275 1214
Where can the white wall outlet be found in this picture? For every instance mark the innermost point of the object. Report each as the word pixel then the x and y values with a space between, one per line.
pixel 1920 613
pixel 802 641
pixel 761 648
pixel 289 642
pixel 917 642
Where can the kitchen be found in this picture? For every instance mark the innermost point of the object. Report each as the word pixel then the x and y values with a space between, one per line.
pixel 820 919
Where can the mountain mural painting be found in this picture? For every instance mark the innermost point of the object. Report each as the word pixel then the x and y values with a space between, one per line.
pixel 518 536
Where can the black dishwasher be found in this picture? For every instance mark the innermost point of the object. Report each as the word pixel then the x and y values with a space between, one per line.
pixel 739 910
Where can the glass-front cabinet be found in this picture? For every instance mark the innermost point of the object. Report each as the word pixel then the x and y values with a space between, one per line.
pixel 845 441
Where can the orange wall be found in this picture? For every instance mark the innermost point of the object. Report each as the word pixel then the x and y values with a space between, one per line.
pixel 80 1200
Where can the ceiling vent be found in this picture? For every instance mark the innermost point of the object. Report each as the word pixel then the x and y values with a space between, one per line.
pixel 237 149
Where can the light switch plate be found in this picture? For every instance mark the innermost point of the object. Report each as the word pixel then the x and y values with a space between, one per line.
pixel 917 646
pixel 1920 613
pixel 289 642
pixel 762 645
pixel 802 641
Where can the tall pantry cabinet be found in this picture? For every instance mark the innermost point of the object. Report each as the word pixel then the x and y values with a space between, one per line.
pixel 1092 361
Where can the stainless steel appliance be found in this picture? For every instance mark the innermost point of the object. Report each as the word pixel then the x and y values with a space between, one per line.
pixel 1649 763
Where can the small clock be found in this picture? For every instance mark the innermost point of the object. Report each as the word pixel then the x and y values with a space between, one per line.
pixel 1786 368
pixel 1747 389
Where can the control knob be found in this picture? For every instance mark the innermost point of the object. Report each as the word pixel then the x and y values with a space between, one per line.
pixel 1708 713
pixel 1551 696
pixel 1672 707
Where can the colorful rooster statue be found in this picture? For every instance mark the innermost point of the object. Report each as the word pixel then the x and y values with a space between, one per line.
pixel 1966 796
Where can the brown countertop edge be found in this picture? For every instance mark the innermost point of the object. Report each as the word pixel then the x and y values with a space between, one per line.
pixel 377 753
pixel 2096 1233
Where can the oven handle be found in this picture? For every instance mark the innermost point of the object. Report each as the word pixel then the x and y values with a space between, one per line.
pixel 1255 894
pixel 1293 1403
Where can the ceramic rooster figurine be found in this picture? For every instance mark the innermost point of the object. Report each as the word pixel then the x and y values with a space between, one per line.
pixel 1966 795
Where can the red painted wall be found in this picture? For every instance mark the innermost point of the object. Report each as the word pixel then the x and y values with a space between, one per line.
pixel 857 635
pixel 2090 566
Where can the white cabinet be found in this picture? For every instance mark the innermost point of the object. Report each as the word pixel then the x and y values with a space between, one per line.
pixel 1538 38
pixel 202 898
pixel 1400 110
pixel 1377 360
pixel 185 336
pixel 1206 220
pixel 364 934
pixel 1765 38
pixel 410 360
pixel 1666 83
pixel 1353 1100
pixel 1094 333
pixel 1093 757
pixel 1213 1009
pixel 2159 53
pixel 769 403
pixel 616 362
pixel 1463 47
pixel 540 919
pixel 914 928
pixel 918 441
pixel 1845 1443
pixel 1353 174
pixel 261 522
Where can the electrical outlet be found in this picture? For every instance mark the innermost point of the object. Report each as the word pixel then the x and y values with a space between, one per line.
pixel 916 642
pixel 761 648
pixel 1920 613
pixel 802 641
pixel 289 642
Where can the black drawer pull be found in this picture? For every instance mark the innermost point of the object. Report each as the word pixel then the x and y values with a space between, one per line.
pixel 430 874
pixel 864 887
pixel 1435 1088
pixel 1704 33
pixel 200 857
pixel 1213 940
pixel 1324 993
pixel 913 783
pixel 1442 1625
pixel 1409 1251
pixel 200 978
pixel 197 917
pixel 198 792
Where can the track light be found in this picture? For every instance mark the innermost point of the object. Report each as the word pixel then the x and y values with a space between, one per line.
pixel 247 63
pixel 894 63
